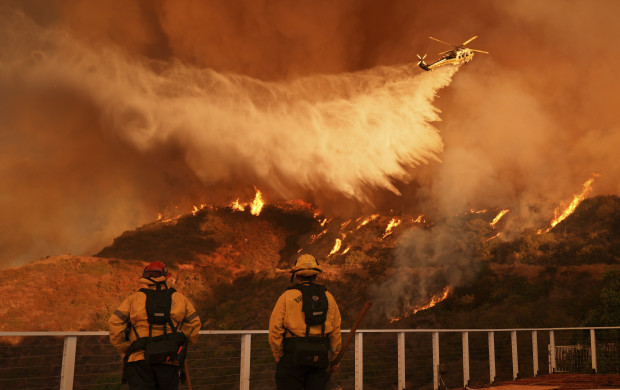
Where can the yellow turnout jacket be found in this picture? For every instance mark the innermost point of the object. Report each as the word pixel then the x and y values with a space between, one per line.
pixel 133 309
pixel 288 313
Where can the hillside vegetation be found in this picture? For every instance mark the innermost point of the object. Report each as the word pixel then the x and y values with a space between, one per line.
pixel 234 265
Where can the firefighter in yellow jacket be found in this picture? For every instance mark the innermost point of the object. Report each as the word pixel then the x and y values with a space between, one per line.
pixel 304 330
pixel 152 328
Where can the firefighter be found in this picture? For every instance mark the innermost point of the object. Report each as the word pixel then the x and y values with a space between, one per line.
pixel 152 328
pixel 304 330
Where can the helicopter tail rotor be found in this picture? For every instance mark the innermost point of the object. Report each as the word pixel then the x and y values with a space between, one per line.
pixel 421 59
pixel 423 64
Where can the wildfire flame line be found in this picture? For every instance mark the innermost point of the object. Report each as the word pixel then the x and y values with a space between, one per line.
pixel 391 225
pixel 336 247
pixel 434 300
pixel 367 220
pixel 236 206
pixel 315 237
pixel 255 207
pixel 499 216
pixel 495 236
pixel 257 204
pixel 577 199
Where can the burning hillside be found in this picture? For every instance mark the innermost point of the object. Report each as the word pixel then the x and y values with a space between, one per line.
pixel 110 115
pixel 110 118
pixel 227 260
pixel 257 236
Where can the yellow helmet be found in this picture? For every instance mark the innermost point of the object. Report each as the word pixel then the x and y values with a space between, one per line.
pixel 306 265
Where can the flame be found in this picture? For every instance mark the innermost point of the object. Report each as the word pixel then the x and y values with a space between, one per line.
pixel 255 207
pixel 196 209
pixel 236 206
pixel 367 220
pixel 495 236
pixel 336 247
pixel 344 224
pixel 577 199
pixel 434 300
pixel 420 219
pixel 499 216
pixel 315 237
pixel 257 203
pixel 473 211
pixel 324 221
pixel 162 219
pixel 346 250
pixel 393 223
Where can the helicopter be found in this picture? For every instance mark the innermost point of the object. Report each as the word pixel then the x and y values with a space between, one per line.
pixel 457 56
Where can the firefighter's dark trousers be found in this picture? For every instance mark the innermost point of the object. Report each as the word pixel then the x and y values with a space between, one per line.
pixel 292 377
pixel 144 376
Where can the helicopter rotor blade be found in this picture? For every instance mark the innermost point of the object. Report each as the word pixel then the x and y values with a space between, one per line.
pixel 480 51
pixel 439 40
pixel 469 40
pixel 444 52
pixel 421 59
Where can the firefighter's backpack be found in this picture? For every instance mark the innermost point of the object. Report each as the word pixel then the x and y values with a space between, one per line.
pixel 312 351
pixel 164 348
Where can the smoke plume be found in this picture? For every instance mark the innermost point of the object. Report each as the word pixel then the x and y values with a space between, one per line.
pixel 109 116
pixel 100 119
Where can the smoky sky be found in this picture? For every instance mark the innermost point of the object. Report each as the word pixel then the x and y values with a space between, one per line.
pixel 111 112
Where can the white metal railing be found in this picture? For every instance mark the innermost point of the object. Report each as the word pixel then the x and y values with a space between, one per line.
pixel 71 343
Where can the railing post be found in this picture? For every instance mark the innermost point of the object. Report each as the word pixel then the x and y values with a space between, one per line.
pixel 465 336
pixel 401 361
pixel 535 351
pixel 246 348
pixel 68 363
pixel 593 349
pixel 492 372
pixel 359 361
pixel 436 360
pixel 515 354
pixel 552 363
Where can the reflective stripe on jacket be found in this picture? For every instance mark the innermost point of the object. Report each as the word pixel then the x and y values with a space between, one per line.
pixel 133 309
pixel 288 313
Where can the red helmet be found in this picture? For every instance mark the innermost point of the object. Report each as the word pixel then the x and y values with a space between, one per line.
pixel 155 270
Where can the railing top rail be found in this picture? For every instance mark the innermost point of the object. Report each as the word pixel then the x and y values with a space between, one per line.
pixel 241 331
